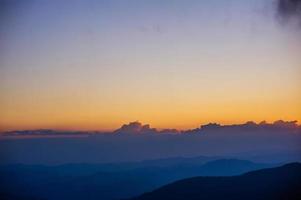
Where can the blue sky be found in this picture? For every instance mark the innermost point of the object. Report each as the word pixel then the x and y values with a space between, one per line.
pixel 98 64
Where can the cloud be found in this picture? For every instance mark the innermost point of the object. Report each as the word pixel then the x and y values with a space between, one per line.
pixel 286 124
pixel 248 126
pixel 133 128
pixel 136 128
pixel 44 133
pixel 289 11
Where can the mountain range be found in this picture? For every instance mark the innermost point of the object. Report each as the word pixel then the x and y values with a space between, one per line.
pixel 278 183
pixel 113 180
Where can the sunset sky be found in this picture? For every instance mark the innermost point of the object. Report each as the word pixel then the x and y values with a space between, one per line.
pixel 94 65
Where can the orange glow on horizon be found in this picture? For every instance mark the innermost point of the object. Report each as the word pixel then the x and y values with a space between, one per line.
pixel 78 75
pixel 161 113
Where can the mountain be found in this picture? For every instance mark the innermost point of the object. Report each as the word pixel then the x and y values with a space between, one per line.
pixel 99 181
pixel 275 183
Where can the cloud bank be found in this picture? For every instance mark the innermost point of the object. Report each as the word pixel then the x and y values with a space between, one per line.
pixel 279 141
pixel 137 128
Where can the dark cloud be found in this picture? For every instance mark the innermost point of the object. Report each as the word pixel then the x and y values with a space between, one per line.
pixel 289 11
pixel 135 127
pixel 248 126
pixel 286 124
pixel 138 128
pixel 44 133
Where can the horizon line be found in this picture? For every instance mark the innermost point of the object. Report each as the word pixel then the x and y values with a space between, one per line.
pixel 157 129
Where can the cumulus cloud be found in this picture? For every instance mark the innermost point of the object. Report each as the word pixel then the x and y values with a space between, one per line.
pixel 138 128
pixel 286 124
pixel 135 128
pixel 248 126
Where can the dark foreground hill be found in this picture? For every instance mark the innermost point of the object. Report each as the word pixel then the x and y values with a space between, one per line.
pixel 275 183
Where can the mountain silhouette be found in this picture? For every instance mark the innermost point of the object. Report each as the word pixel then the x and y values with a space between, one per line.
pixel 111 181
pixel 274 183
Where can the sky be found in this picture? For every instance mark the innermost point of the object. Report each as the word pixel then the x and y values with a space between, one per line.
pixel 94 65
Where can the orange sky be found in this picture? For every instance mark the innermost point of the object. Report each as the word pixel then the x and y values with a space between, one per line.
pixel 78 68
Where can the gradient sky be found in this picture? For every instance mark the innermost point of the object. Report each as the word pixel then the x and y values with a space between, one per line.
pixel 98 64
